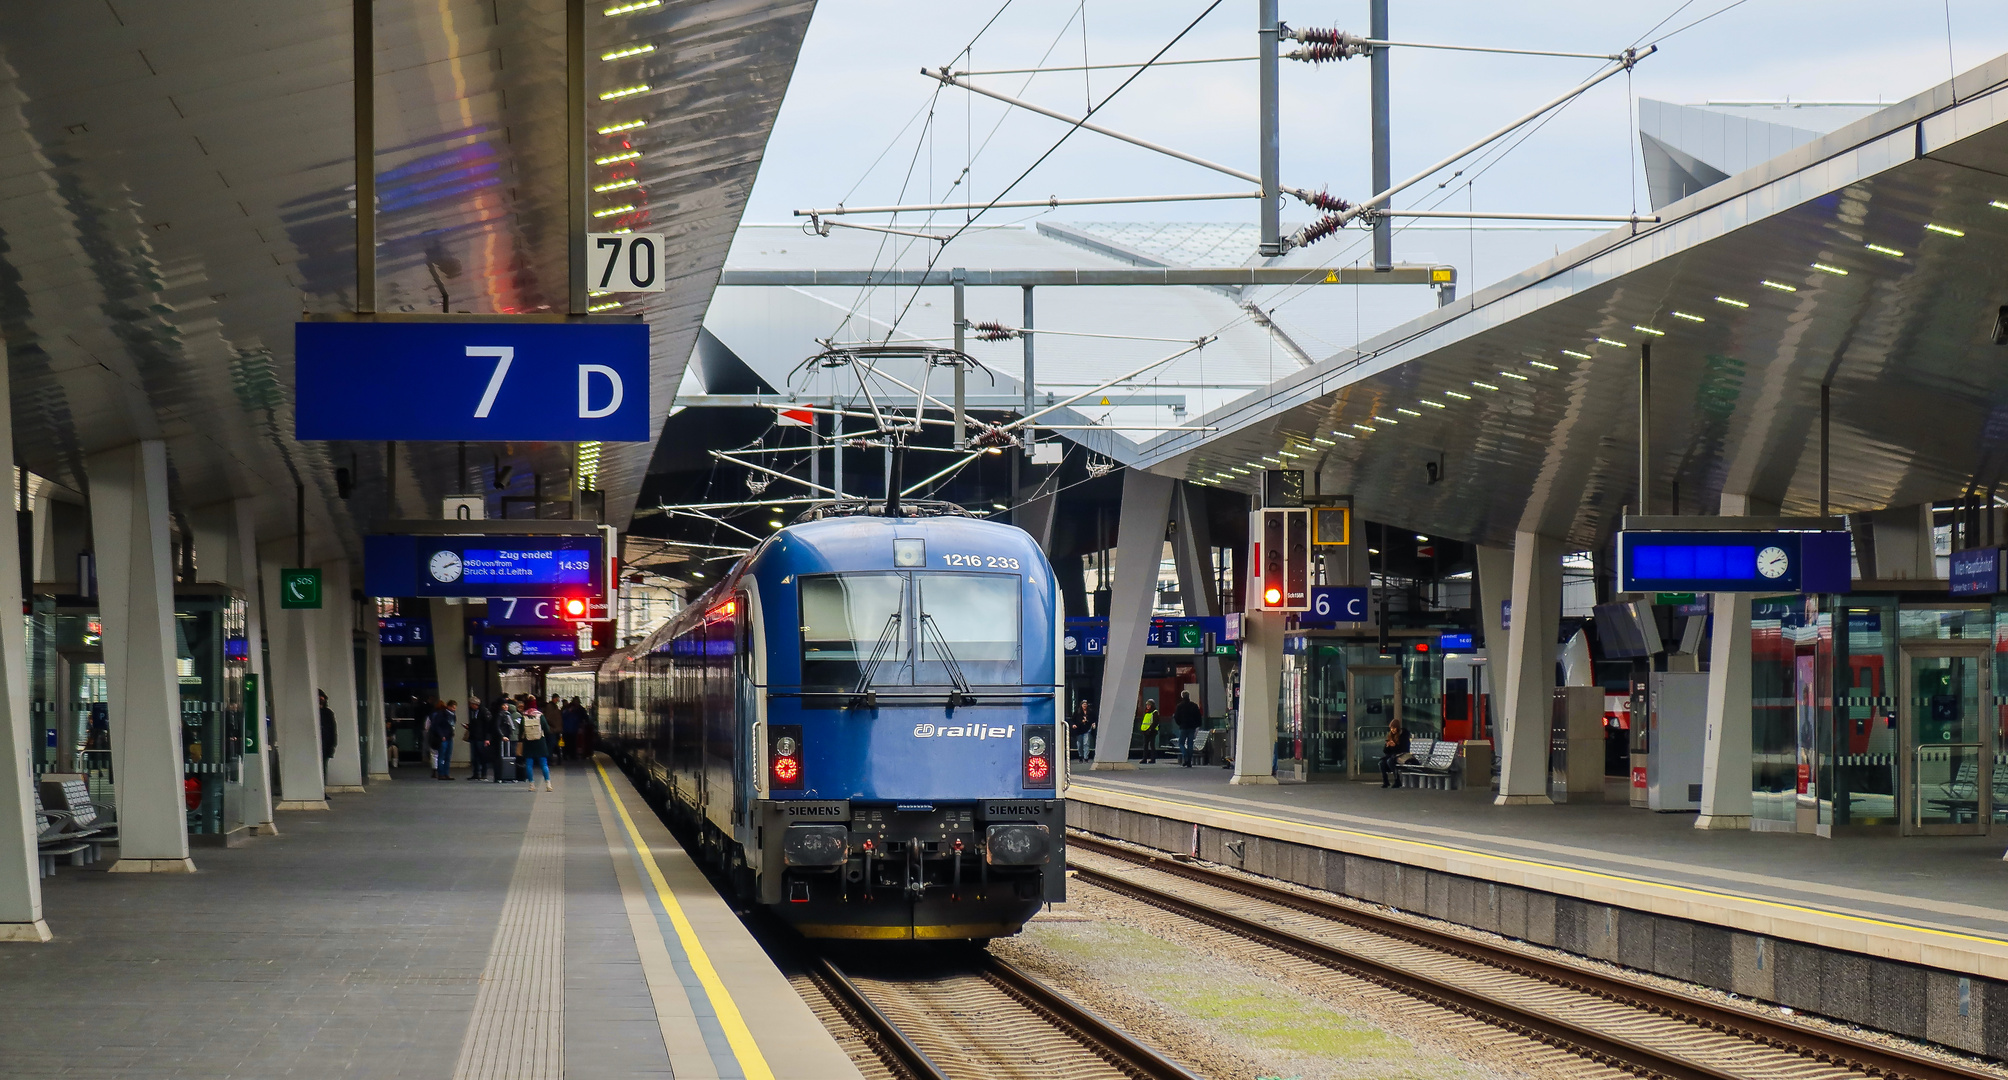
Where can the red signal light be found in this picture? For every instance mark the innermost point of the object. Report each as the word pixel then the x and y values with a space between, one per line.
pixel 787 770
pixel 1272 597
pixel 1037 769
pixel 575 607
pixel 1422 646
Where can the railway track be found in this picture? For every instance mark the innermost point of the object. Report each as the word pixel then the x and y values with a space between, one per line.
pixel 963 1014
pixel 1631 1025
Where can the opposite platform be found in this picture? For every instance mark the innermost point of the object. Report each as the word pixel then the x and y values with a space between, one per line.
pixel 1910 935
pixel 426 929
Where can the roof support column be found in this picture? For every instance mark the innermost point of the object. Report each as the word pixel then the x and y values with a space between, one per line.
pixel 336 640
pixel 226 551
pixel 1146 506
pixel 1536 617
pixel 1726 755
pixel 1192 549
pixel 1261 683
pixel 376 730
pixel 136 603
pixel 296 719
pixel 20 872
pixel 1495 586
pixel 449 661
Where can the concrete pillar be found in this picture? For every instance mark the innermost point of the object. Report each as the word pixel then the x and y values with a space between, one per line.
pixel 336 664
pixel 1146 506
pixel 1261 680
pixel 449 660
pixel 1192 551
pixel 1902 538
pixel 136 603
pixel 1528 707
pixel 296 720
pixel 20 872
pixel 376 740
pixel 1495 589
pixel 226 550
pixel 1726 753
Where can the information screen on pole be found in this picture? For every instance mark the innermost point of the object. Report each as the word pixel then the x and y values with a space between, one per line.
pixel 1732 561
pixel 484 566
pixel 506 649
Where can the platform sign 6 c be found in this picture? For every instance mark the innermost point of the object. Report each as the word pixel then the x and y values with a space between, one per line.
pixel 1337 604
pixel 479 380
pixel 625 262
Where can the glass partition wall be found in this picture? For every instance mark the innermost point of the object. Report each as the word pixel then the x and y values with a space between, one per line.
pixel 1339 692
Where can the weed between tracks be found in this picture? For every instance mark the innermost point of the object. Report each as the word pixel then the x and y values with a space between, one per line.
pixel 1223 1017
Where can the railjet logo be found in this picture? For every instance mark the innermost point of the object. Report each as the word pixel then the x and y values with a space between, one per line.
pixel 964 731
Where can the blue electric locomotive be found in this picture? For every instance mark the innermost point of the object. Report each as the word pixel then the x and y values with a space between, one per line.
pixel 860 722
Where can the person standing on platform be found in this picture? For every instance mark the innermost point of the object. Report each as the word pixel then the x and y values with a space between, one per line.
pixel 480 731
pixel 1187 717
pixel 439 736
pixel 327 734
pixel 508 730
pixel 536 744
pixel 1148 725
pixel 569 719
pixel 1393 749
pixel 1084 729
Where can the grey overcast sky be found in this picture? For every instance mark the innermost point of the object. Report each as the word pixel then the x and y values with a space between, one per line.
pixel 856 126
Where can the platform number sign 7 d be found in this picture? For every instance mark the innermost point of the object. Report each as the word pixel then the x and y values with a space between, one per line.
pixel 625 262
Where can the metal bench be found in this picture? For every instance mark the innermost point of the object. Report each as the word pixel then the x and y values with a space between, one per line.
pixel 89 818
pixel 1435 765
pixel 57 835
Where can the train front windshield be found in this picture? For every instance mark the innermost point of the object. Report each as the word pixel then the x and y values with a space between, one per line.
pixel 861 629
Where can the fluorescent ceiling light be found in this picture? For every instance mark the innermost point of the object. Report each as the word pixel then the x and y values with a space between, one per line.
pixel 625 91
pixel 1778 285
pixel 1608 341
pixel 1362 427
pixel 1483 385
pixel 1685 315
pixel 609 306
pixel 1344 435
pixel 623 53
pixel 1458 396
pixel 1999 205
pixel 1826 269
pixel 631 155
pixel 1731 303
pixel 1434 404
pixel 1577 355
pixel 631 6
pixel 629 125
pixel 1944 229
pixel 612 210
pixel 1407 412
pixel 1649 330
pixel 1543 365
pixel 1422 538
pixel 1890 251
pixel 1383 419
pixel 615 185
pixel 1514 375
pixel 1324 442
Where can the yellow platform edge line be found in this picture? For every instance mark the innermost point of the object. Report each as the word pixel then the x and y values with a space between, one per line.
pixel 1884 924
pixel 737 1035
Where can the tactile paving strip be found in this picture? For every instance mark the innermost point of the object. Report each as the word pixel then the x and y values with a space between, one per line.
pixel 518 1028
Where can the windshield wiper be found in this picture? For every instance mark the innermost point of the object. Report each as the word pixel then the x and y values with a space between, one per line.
pixel 878 654
pixel 962 694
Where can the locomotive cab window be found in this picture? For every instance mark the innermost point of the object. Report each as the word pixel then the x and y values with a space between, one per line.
pixel 847 619
pixel 968 626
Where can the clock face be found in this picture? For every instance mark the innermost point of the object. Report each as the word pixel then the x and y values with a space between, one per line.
pixel 515 648
pixel 1772 563
pixel 445 566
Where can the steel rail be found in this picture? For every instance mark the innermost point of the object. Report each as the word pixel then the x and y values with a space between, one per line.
pixel 910 1057
pixel 1825 1046
pixel 1113 1043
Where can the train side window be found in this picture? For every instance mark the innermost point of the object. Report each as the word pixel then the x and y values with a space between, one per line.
pixel 971 622
pixel 846 618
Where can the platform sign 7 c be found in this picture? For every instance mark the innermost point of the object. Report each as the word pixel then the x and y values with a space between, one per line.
pixel 626 262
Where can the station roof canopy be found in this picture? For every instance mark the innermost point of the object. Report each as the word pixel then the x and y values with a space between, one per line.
pixel 178 187
pixel 1867 261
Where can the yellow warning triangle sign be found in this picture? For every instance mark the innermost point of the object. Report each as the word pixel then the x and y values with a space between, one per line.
pixel 1105 399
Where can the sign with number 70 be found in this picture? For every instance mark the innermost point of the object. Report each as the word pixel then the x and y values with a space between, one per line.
pixel 625 262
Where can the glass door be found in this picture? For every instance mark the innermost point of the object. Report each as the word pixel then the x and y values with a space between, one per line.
pixel 1373 695
pixel 1947 755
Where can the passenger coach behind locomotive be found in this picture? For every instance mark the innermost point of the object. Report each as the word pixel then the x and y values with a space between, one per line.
pixel 859 722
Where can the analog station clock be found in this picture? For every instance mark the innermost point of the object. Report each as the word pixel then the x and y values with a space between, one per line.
pixel 1772 562
pixel 445 566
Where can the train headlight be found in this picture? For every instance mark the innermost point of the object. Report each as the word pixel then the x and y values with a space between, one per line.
pixel 784 757
pixel 1038 747
pixel 786 746
pixel 1035 746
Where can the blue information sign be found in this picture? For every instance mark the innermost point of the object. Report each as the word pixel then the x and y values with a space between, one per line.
pixel 474 380
pixel 401 630
pixel 1334 604
pixel 1733 562
pixel 506 649
pixel 1179 632
pixel 1087 636
pixel 1976 572
pixel 1456 643
pixel 481 566
pixel 525 611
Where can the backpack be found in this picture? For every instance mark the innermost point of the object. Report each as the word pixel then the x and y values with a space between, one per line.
pixel 533 726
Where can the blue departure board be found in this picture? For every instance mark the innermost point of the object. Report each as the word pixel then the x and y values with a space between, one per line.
pixel 484 566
